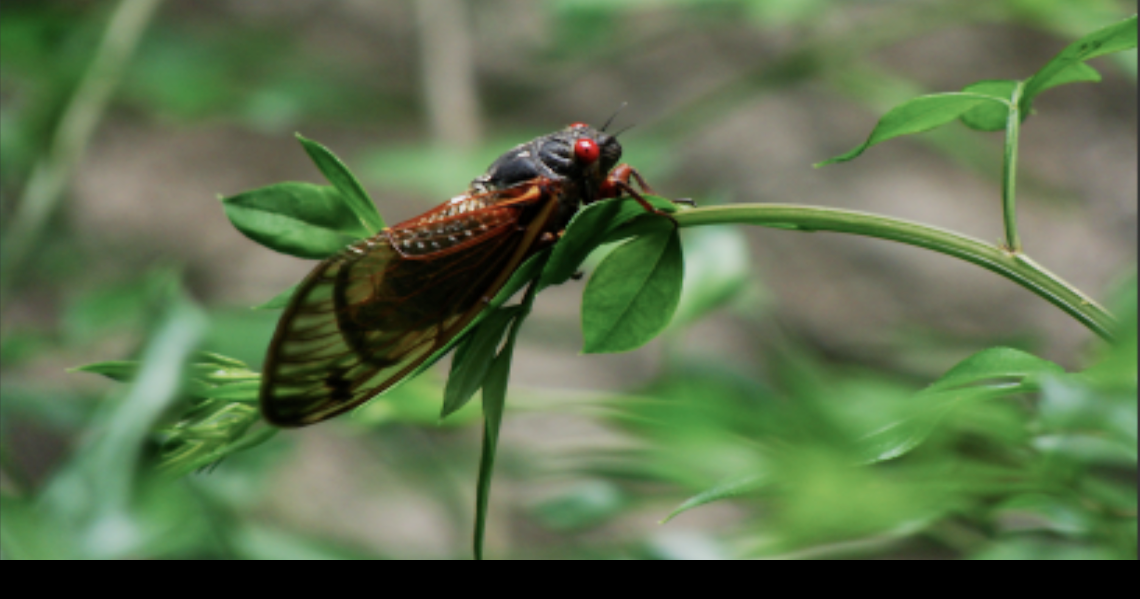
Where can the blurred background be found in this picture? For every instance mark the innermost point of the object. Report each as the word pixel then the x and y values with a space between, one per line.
pixel 122 122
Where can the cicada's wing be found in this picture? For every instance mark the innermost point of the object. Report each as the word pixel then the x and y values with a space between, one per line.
pixel 369 316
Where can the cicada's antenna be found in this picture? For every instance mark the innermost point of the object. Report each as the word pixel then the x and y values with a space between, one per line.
pixel 623 130
pixel 614 115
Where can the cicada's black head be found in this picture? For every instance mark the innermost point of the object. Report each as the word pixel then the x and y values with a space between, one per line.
pixel 578 153
pixel 579 150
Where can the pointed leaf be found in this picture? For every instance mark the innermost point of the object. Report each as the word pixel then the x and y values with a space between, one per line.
pixel 494 403
pixel 989 374
pixel 990 116
pixel 122 371
pixel 733 487
pixel 1114 38
pixel 299 219
pixel 1074 73
pixel 633 294
pixel 915 116
pixel 350 189
pixel 206 357
pixel 994 364
pixel 899 438
pixel 590 227
pixel 473 358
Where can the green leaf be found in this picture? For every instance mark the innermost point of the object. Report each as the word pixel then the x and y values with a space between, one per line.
pixel 590 227
pixel 220 378
pixel 989 374
pixel 473 358
pixel 1114 38
pixel 122 371
pixel 915 116
pixel 279 301
pixel 633 294
pixel 207 357
pixel 494 402
pixel 996 363
pixel 726 489
pixel 240 391
pixel 351 191
pixel 899 438
pixel 990 116
pixel 299 219
pixel 1074 73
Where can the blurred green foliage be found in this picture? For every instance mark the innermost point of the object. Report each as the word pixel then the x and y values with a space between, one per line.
pixel 1032 463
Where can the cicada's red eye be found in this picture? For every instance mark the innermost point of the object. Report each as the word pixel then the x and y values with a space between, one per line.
pixel 587 151
pixel 578 125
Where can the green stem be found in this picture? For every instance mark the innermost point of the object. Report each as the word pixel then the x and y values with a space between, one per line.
pixel 52 173
pixel 1009 171
pixel 1015 267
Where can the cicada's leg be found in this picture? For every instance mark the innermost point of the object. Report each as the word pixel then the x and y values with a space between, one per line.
pixel 618 182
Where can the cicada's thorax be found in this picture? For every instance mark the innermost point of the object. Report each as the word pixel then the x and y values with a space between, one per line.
pixel 552 157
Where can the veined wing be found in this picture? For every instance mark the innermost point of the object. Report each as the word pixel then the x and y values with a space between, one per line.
pixel 367 317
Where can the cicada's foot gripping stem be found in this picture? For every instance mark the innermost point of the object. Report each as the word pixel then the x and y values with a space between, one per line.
pixel 618 182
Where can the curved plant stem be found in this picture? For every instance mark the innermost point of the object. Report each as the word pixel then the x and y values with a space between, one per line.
pixel 1013 266
pixel 52 173
pixel 1009 171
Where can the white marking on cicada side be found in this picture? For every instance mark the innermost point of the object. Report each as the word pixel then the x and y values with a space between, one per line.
pixel 355 249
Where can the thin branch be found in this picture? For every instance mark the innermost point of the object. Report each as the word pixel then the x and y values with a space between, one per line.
pixel 1015 267
pixel 53 172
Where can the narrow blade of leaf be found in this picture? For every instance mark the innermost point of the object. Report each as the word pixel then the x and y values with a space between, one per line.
pixel 915 116
pixel 494 402
pixel 342 179
pixel 727 489
pixel 473 359
pixel 122 371
pixel 206 357
pixel 989 374
pixel 993 364
pixel 633 294
pixel 899 438
pixel 299 219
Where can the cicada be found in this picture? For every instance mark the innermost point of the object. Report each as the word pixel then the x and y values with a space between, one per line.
pixel 367 317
